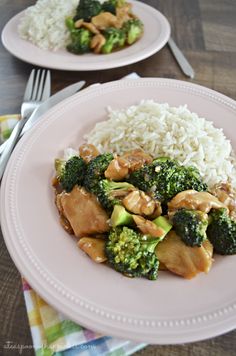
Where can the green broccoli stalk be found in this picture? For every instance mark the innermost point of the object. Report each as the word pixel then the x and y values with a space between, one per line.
pixel 163 223
pixel 131 253
pixel 80 40
pixel 70 172
pixel 133 29
pixel 110 193
pixel 115 38
pixel 191 226
pixel 165 177
pixel 222 232
pixel 87 9
pixel 95 171
pixel 120 217
pixel 70 23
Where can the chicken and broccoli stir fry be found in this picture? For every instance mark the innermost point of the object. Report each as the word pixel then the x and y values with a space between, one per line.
pixel 141 214
pixel 103 28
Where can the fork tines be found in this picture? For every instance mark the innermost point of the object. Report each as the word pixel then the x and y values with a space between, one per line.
pixel 38 86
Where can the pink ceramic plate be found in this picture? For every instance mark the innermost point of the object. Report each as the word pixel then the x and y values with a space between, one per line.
pixel 156 35
pixel 169 310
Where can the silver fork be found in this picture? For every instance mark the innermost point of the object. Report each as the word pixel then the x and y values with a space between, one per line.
pixel 37 90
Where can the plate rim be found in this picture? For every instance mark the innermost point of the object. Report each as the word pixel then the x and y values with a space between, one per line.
pixel 39 287
pixel 165 33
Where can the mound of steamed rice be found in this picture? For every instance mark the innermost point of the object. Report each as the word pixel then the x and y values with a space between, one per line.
pixel 161 130
pixel 44 23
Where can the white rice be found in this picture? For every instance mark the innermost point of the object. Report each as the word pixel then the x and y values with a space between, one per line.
pixel 161 130
pixel 44 23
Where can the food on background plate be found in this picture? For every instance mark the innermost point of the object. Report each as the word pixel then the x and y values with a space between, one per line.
pixel 144 204
pixel 81 27
pixel 43 24
pixel 103 27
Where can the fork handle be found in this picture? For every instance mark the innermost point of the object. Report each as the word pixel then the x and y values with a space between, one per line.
pixel 11 142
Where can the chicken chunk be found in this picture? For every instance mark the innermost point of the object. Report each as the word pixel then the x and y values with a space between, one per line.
pixel 227 195
pixel 138 202
pixel 91 27
pixel 95 248
pixel 97 43
pixel 157 211
pixel 148 227
pixel 122 165
pixel 136 158
pixel 63 221
pixel 104 20
pixel 83 211
pixel 191 199
pixel 88 151
pixel 117 169
pixel 123 14
pixel 184 260
pixel 81 23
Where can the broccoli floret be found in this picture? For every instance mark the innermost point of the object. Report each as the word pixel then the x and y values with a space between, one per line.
pixel 80 41
pixel 87 9
pixel 110 193
pixel 111 5
pixel 184 178
pixel 152 178
pixel 115 38
pixel 191 226
pixel 70 172
pixel 95 171
pixel 131 253
pixel 165 177
pixel 133 29
pixel 120 216
pixel 222 232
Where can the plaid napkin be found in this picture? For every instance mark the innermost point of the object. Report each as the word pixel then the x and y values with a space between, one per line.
pixel 7 123
pixel 52 333
pixel 55 335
